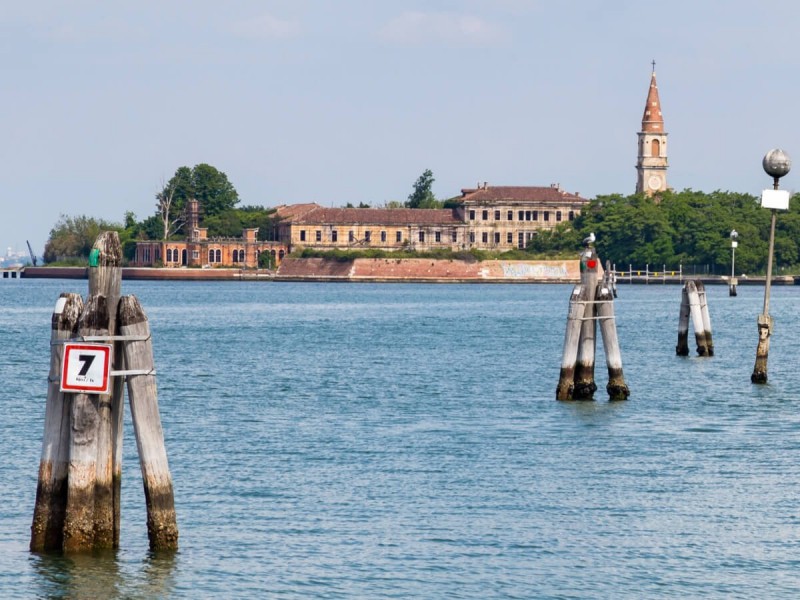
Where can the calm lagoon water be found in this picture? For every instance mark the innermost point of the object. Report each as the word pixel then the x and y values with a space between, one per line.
pixel 379 441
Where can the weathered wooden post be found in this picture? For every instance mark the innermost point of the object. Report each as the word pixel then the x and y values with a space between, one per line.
pixel 585 386
pixel 733 281
pixel 682 349
pixel 105 278
pixel 572 335
pixel 162 528
pixel 696 313
pixel 694 305
pixel 48 513
pixel 616 387
pixel 79 521
pixel 706 317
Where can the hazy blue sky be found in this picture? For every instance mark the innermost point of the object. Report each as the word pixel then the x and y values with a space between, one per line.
pixel 350 100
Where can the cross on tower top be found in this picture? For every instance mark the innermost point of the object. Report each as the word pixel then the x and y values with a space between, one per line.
pixel 654 65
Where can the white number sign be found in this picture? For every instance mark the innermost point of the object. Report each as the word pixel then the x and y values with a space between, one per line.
pixel 86 368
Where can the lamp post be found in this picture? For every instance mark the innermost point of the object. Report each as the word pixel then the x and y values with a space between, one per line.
pixel 776 164
pixel 732 283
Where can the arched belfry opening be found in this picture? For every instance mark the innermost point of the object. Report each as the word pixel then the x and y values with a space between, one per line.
pixel 655 148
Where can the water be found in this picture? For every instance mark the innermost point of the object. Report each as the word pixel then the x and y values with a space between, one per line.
pixel 397 441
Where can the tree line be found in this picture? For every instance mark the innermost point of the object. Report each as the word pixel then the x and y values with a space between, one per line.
pixel 681 228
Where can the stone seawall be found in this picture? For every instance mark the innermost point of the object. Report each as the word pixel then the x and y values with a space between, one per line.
pixel 361 269
pixel 149 273
pixel 429 270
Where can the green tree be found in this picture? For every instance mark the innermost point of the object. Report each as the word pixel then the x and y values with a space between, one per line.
pixel 224 224
pixel 212 188
pixel 688 227
pixel 422 196
pixel 71 238
pixel 202 182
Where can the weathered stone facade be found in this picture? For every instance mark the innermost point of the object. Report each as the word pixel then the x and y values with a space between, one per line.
pixel 485 217
pixel 198 250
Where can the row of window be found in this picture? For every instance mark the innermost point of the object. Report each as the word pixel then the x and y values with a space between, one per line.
pixel 173 255
pixel 351 236
pixel 522 215
pixel 215 256
pixel 522 237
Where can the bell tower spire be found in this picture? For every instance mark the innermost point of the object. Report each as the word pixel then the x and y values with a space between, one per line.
pixel 651 166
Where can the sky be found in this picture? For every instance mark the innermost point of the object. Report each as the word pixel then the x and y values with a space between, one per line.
pixel 337 101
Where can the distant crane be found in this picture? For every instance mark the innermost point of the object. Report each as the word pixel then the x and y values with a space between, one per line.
pixel 33 256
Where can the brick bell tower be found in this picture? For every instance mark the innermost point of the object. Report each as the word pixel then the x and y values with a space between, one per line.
pixel 651 166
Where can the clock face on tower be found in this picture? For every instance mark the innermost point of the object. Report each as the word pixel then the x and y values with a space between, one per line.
pixel 654 183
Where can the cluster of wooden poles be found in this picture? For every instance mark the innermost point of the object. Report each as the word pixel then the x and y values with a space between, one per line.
pixel 694 306
pixel 80 472
pixel 591 302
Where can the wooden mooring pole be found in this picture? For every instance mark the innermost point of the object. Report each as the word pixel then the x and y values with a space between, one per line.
pixel 162 527
pixel 48 513
pixel 682 349
pixel 706 317
pixel 590 302
pixel 572 336
pixel 616 387
pixel 78 493
pixel 79 521
pixel 105 278
pixel 695 297
pixel 585 386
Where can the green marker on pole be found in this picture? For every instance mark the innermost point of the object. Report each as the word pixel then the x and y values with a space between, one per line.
pixel 94 257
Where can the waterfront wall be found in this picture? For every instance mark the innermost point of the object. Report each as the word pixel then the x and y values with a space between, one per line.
pixel 380 269
pixel 147 273
pixel 429 270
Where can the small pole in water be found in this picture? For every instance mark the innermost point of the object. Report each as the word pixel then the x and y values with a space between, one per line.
pixel 696 313
pixel 51 499
pixel 733 281
pixel 682 349
pixel 105 278
pixel 776 163
pixel 616 387
pixel 572 335
pixel 162 527
pixel 79 521
pixel 706 317
pixel 585 386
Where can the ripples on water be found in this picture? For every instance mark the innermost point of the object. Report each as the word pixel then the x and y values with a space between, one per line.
pixel 403 441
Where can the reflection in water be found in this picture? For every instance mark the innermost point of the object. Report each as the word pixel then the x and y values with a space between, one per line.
pixel 595 412
pixel 99 575
pixel 157 579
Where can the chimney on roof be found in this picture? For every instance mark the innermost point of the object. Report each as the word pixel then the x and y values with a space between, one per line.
pixel 485 184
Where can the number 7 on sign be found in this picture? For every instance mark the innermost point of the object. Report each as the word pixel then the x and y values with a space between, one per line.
pixel 86 368
pixel 87 360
